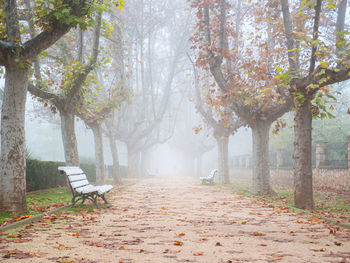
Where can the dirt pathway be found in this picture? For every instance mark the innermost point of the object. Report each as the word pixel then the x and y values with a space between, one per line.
pixel 178 220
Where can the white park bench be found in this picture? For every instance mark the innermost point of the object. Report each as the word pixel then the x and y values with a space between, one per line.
pixel 210 178
pixel 81 188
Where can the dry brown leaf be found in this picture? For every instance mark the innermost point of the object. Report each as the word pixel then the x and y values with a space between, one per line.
pixel 318 249
pixel 178 243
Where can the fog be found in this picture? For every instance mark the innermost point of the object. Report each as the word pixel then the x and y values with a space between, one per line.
pixel 152 96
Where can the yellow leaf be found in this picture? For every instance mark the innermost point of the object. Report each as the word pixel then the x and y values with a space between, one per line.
pixel 258 234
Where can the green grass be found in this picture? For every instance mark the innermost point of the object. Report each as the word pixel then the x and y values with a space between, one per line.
pixel 41 201
pixel 327 203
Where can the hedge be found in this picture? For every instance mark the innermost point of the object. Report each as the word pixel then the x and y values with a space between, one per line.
pixel 44 174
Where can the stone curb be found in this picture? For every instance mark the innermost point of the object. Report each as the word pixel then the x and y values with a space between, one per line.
pixel 38 217
pixel 31 219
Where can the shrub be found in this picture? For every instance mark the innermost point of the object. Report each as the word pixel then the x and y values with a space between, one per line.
pixel 44 174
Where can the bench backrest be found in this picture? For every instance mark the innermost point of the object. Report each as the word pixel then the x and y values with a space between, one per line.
pixel 212 173
pixel 75 177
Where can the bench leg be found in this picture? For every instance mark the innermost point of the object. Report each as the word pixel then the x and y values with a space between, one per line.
pixel 74 201
pixel 95 202
pixel 104 198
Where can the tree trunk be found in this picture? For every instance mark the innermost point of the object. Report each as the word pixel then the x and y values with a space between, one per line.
pixel 69 139
pixel 224 176
pixel 261 168
pixel 303 192
pixel 133 163
pixel 116 168
pixel 99 157
pixel 13 161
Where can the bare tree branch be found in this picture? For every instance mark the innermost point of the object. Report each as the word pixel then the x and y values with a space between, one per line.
pixel 288 27
pixel 315 35
pixel 36 91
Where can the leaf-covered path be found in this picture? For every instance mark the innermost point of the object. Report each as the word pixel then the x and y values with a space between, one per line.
pixel 179 220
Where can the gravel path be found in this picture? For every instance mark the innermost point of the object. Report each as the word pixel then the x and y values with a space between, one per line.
pixel 178 220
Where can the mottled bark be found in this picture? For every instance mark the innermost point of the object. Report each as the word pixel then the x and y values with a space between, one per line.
pixel 99 156
pixel 115 158
pixel 223 170
pixel 303 192
pixel 261 168
pixel 13 162
pixel 69 139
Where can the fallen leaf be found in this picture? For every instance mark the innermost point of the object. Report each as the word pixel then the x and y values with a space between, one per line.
pixel 244 222
pixel 62 247
pixel 262 245
pixel 218 244
pixel 178 243
pixel 181 234
pixel 318 249
pixel 23 217
pixel 200 253
pixel 14 236
pixel 258 234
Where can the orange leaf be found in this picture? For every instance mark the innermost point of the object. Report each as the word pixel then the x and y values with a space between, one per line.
pixel 181 234
pixel 23 217
pixel 244 222
pixel 178 243
pixel 200 253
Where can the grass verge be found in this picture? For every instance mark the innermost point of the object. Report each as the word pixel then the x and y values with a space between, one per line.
pixel 39 202
pixel 331 205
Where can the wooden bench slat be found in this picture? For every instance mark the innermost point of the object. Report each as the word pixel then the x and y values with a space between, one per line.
pixel 86 189
pixel 80 183
pixel 73 178
pixel 70 170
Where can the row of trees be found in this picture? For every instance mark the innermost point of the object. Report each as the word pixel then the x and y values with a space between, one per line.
pixel 89 60
pixel 266 58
